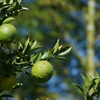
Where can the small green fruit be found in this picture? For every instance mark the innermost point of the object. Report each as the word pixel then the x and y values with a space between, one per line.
pixel 7 33
pixel 42 71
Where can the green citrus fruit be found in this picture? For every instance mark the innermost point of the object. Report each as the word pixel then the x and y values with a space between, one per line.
pixel 7 82
pixel 7 33
pixel 42 71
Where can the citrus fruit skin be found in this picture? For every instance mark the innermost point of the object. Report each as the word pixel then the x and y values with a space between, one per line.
pixel 7 82
pixel 7 33
pixel 42 71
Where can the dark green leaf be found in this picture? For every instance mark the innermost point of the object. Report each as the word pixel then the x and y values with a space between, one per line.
pixel 6 95
pixel 80 87
pixel 62 58
pixel 4 9
pixel 1 4
pixel 95 93
pixel 97 81
pixel 14 6
pixel 33 58
pixel 27 47
pixel 38 57
pixel 88 97
pixel 92 85
pixel 8 1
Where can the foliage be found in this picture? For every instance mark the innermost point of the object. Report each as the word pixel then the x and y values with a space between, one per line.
pixel 26 54
pixel 66 20
pixel 90 88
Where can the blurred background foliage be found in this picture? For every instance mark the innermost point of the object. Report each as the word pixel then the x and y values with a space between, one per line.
pixel 49 20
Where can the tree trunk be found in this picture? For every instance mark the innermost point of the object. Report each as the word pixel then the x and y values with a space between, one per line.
pixel 90 31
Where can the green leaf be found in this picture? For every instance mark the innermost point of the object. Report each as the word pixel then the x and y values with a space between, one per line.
pixel 19 1
pixel 2 1
pixel 26 67
pixel 4 9
pixel 80 87
pixel 8 1
pixel 95 93
pixel 27 47
pixel 13 6
pixel 20 47
pixel 8 20
pixel 38 57
pixel 33 57
pixel 60 47
pixel 65 50
pixel 88 97
pixel 56 47
pixel 92 85
pixel 62 58
pixel 87 81
pixel 33 44
pixel 35 48
pixel 45 54
pixel 24 9
pixel 83 77
pixel 96 74
pixel 97 81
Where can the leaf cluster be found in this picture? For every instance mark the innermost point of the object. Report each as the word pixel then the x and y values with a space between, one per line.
pixel 91 86
pixel 9 9
pixel 25 55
